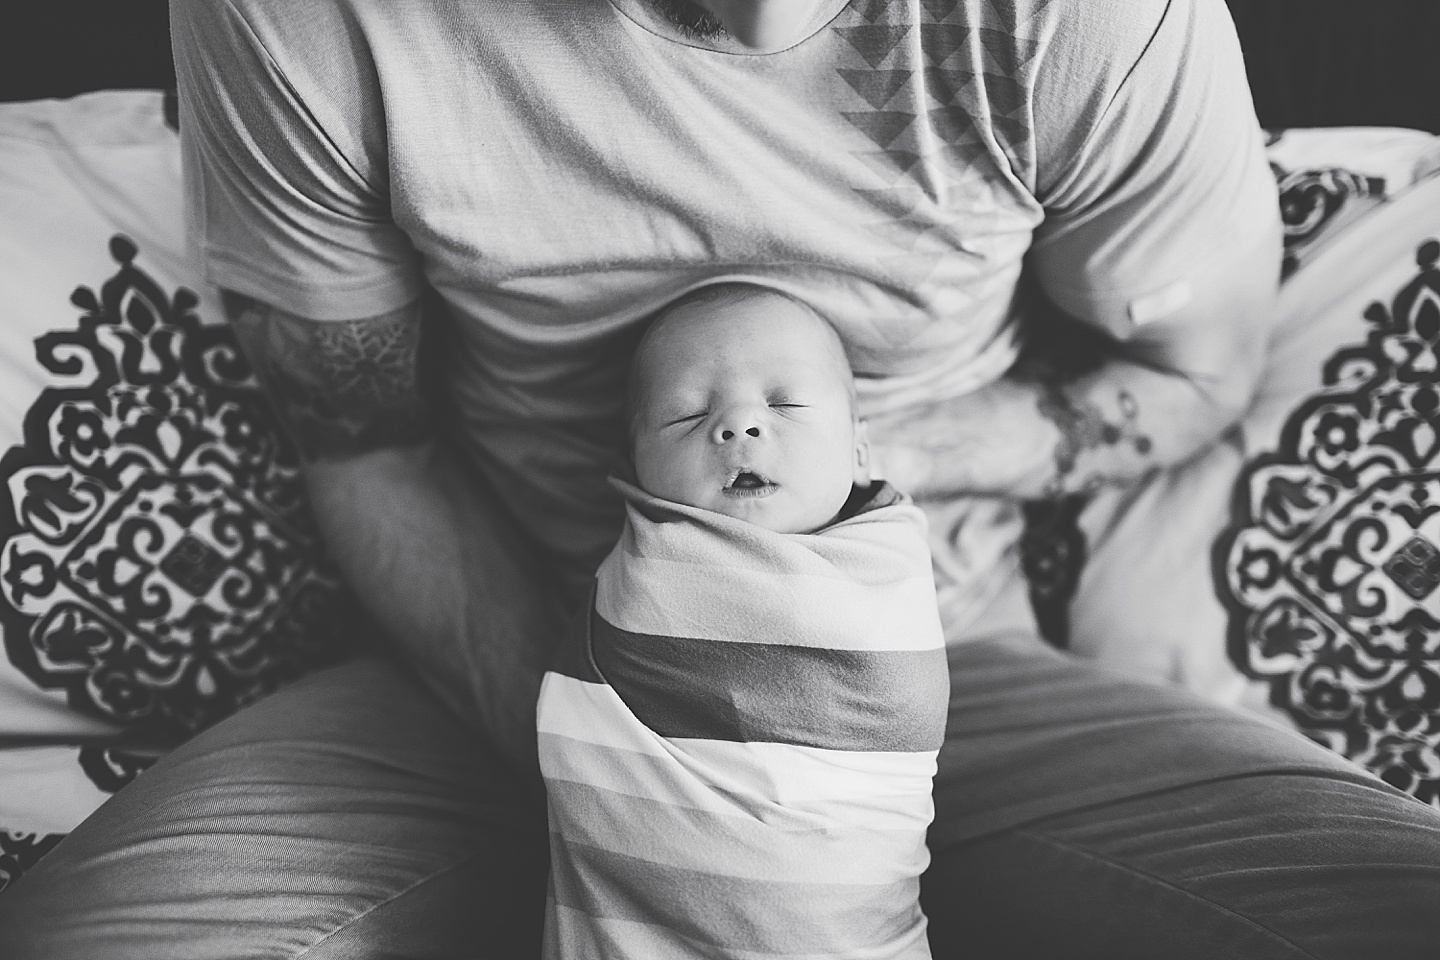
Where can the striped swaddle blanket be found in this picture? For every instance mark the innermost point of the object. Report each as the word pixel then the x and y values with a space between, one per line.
pixel 738 741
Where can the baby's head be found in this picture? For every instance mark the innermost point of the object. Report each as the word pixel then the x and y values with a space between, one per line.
pixel 742 402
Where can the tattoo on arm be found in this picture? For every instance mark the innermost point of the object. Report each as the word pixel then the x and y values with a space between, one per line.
pixel 1083 427
pixel 341 388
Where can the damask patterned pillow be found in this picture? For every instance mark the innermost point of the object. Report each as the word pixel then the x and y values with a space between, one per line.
pixel 159 566
pixel 1332 558
pixel 1330 562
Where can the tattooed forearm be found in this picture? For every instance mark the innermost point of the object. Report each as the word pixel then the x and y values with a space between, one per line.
pixel 340 388
pixel 1083 427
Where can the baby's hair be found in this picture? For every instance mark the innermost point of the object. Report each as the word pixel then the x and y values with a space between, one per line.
pixel 710 294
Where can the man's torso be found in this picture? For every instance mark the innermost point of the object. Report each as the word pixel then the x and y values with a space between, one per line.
pixel 563 168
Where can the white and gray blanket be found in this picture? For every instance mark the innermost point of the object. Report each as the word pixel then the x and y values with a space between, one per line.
pixel 739 739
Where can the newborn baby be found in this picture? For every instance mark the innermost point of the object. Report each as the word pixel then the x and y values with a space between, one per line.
pixel 739 737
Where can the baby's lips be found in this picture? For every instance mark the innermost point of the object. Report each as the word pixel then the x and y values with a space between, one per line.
pixel 757 478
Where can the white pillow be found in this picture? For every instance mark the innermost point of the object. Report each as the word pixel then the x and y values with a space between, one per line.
pixel 158 565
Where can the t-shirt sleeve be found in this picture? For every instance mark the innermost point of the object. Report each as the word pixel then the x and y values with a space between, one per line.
pixel 284 202
pixel 1167 190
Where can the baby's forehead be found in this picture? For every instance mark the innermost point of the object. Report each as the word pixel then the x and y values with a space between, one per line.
pixel 719 315
pixel 702 325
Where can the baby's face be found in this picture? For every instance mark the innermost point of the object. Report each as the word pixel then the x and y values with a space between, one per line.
pixel 744 407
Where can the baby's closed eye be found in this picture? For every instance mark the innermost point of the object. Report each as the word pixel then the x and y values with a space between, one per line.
pixel 687 418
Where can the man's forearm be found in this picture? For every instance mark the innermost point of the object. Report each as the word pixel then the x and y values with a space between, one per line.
pixel 1030 438
pixel 454 584
pixel 438 563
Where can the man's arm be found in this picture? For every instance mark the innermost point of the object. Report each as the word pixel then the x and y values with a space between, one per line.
pixel 1033 436
pixel 1161 228
pixel 287 200
pixel 451 580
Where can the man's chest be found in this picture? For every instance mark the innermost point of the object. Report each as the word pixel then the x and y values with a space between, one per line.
pixel 577 189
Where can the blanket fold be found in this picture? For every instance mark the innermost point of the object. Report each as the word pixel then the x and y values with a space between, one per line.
pixel 739 737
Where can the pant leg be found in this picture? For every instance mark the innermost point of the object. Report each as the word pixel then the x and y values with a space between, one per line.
pixel 1080 814
pixel 345 816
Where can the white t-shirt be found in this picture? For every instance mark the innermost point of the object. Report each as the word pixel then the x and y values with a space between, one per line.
pixel 556 170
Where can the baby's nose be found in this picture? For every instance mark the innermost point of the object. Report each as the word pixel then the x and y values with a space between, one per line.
pixel 733 426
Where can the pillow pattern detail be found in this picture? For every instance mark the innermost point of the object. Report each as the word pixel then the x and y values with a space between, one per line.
pixel 1329 178
pixel 20 851
pixel 112 766
pixel 159 562
pixel 1311 199
pixel 1331 567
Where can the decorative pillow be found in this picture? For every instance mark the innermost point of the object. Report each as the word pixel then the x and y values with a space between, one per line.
pixel 1331 561
pixel 1310 535
pixel 158 564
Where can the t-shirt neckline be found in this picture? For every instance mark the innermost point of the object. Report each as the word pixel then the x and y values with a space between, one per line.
pixel 644 15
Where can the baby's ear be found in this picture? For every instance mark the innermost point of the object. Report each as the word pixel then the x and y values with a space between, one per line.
pixel 862 454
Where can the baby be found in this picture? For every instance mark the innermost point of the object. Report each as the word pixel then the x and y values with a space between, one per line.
pixel 739 737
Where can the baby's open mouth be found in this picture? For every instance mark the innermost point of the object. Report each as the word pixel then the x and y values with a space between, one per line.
pixel 745 482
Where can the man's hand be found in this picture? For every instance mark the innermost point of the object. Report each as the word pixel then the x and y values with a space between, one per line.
pixel 447 574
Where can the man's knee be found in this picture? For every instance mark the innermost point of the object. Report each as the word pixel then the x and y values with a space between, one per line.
pixel 335 812
pixel 1278 865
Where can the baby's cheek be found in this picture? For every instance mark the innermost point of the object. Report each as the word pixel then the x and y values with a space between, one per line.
pixel 651 465
pixel 667 475
pixel 833 481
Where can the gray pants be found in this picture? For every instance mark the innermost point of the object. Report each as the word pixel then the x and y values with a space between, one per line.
pixel 1078 815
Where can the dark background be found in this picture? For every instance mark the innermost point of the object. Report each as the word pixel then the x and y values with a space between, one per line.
pixel 1311 62
pixel 58 48
pixel 1336 63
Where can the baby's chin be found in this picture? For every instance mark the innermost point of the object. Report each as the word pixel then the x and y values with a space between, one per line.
pixel 775 513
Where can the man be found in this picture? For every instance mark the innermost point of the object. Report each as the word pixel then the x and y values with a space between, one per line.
pixel 532 179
